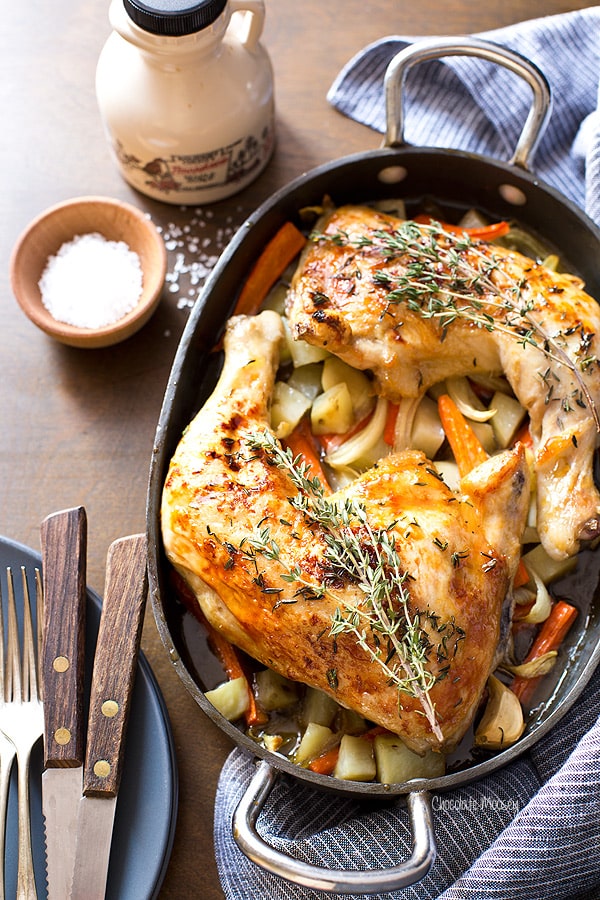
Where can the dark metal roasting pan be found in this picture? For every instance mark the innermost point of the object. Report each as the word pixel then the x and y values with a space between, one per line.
pixel 456 180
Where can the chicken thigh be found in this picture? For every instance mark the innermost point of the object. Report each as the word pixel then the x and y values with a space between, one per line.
pixel 390 595
pixel 418 306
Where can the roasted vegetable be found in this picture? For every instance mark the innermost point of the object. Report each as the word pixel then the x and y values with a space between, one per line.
pixel 315 741
pixel 502 722
pixel 396 763
pixel 356 760
pixel 230 698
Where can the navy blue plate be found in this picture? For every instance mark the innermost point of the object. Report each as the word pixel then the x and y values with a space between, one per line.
pixel 147 803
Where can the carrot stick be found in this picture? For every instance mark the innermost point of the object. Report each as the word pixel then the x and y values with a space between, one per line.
pixel 270 265
pixel 463 441
pixel 325 764
pixel 482 233
pixel 302 443
pixel 487 232
pixel 389 430
pixel 553 630
pixel 550 637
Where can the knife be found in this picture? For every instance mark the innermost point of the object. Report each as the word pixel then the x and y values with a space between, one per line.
pixel 113 677
pixel 64 545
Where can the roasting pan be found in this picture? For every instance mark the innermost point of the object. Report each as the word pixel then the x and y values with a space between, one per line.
pixel 457 181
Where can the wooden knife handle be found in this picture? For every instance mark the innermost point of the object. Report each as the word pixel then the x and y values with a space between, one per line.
pixel 115 664
pixel 64 545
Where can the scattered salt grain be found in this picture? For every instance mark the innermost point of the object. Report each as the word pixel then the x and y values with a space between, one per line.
pixel 192 256
pixel 91 282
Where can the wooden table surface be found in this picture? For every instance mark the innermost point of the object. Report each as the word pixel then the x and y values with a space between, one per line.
pixel 77 426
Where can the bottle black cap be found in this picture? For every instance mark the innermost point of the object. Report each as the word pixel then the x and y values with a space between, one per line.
pixel 174 18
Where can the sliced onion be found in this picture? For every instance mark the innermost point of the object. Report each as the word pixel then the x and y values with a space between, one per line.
pixel 541 665
pixel 467 401
pixel 523 596
pixel 540 610
pixel 355 447
pixel 407 409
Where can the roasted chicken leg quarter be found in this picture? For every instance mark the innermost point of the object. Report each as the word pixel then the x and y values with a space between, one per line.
pixel 416 306
pixel 390 595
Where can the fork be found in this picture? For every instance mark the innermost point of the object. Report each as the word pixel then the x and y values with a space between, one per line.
pixel 22 716
pixel 7 757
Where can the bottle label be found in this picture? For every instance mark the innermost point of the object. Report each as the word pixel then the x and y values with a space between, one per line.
pixel 176 176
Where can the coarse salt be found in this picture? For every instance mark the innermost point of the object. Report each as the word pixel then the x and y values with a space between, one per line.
pixel 91 282
pixel 192 257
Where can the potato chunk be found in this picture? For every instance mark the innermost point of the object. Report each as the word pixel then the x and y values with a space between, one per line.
pixel 287 408
pixel 336 371
pixel 274 691
pixel 396 763
pixel 318 707
pixel 332 411
pixel 315 741
pixel 356 761
pixel 230 698
pixel 509 415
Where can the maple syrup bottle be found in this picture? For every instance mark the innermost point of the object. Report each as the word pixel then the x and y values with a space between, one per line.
pixel 185 91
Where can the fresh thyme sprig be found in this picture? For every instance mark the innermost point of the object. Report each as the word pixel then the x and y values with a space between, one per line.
pixel 383 624
pixel 446 276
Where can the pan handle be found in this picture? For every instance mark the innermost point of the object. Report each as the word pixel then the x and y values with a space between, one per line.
pixel 437 48
pixel 350 881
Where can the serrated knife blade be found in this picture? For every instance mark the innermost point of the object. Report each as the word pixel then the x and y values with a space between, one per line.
pixel 64 544
pixel 113 678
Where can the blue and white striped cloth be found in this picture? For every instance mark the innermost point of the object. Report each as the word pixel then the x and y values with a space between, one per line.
pixel 472 105
pixel 532 830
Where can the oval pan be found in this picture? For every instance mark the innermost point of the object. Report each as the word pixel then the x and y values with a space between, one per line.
pixel 455 180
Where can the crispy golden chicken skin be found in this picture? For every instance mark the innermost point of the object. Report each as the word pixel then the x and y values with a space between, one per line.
pixel 538 327
pixel 261 549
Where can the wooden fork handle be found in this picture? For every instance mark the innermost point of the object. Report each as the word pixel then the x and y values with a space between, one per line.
pixel 64 546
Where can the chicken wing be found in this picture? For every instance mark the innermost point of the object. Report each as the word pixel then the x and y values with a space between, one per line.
pixel 389 595
pixel 418 306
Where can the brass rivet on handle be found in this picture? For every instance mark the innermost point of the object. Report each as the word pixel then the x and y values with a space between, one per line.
pixel 110 708
pixel 62 736
pixel 102 768
pixel 61 664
